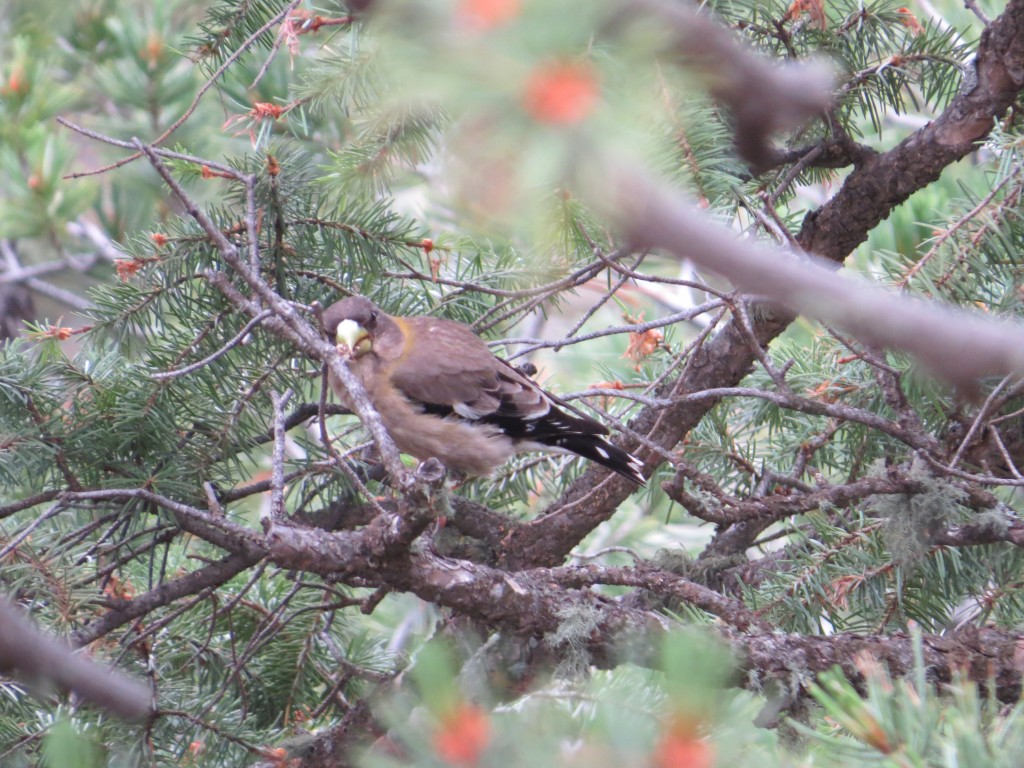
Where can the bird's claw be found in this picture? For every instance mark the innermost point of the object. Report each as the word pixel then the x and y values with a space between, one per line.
pixel 432 472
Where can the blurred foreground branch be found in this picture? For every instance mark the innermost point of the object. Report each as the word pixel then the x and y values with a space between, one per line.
pixel 33 657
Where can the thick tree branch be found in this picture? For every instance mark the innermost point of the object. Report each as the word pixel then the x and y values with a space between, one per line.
pixel 883 181
pixel 207 578
pixel 536 603
pixel 985 656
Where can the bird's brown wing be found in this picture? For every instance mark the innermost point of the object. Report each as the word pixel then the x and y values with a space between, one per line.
pixel 457 371
pixel 445 364
pixel 523 399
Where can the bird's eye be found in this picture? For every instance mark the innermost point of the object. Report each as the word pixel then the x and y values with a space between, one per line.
pixel 373 316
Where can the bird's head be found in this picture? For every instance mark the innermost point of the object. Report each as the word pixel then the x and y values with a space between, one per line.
pixel 354 324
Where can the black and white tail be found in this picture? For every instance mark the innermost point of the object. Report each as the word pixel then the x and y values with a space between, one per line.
pixel 597 449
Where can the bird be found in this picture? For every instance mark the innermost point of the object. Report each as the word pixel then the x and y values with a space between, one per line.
pixel 442 394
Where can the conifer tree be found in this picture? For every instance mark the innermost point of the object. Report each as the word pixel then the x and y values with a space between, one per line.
pixel 644 205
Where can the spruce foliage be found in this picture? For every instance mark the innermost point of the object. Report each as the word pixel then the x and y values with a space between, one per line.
pixel 453 159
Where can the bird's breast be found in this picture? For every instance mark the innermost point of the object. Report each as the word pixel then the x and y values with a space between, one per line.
pixel 461 445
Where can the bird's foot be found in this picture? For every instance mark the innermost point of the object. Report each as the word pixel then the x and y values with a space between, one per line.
pixel 431 472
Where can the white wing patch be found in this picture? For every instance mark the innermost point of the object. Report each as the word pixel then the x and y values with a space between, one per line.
pixel 466 411
pixel 541 412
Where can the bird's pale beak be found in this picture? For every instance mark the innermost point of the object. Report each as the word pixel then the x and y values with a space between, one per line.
pixel 352 339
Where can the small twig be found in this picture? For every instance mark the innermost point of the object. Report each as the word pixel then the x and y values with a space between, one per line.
pixel 974 8
pixel 82 228
pixel 596 306
pixel 971 476
pixel 219 239
pixel 957 225
pixel 339 459
pixel 508 308
pixel 976 425
pixel 872 359
pixel 728 609
pixel 61 460
pixel 1011 465
pixel 217 530
pixel 269 59
pixel 224 170
pixel 606 551
pixel 25 532
pixel 27 503
pixel 16 273
pixel 369 605
pixel 795 170
pixel 643 277
pixel 251 224
pixel 651 402
pixel 818 408
pixel 559 344
pixel 772 226
pixel 739 310
pixel 783 232
pixel 231 344
pixel 277 462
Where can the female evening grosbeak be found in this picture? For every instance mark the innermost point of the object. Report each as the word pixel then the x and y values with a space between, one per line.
pixel 441 393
